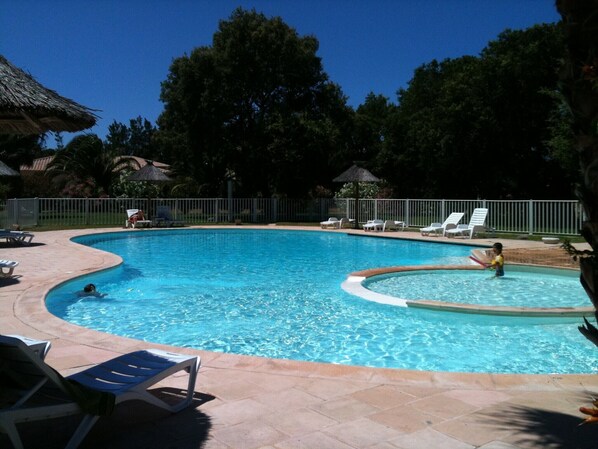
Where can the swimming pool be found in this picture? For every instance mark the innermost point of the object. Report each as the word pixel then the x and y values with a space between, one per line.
pixel 277 294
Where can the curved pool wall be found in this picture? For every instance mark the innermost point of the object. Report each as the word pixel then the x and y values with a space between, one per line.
pixel 465 288
pixel 325 332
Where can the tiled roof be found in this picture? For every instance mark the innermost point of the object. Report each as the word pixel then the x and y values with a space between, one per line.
pixel 40 164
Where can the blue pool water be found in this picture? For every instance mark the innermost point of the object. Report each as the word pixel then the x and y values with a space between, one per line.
pixel 520 287
pixel 277 294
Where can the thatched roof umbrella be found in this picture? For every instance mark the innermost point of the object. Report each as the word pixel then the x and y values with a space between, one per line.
pixel 27 107
pixel 149 173
pixel 5 170
pixel 356 174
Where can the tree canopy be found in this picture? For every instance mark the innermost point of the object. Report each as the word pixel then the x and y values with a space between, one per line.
pixel 85 167
pixel 477 126
pixel 137 139
pixel 256 106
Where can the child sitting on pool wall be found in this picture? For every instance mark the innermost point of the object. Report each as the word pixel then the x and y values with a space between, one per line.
pixel 90 290
pixel 498 262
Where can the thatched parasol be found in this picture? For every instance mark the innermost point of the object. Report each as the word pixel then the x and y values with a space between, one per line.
pixel 5 170
pixel 150 173
pixel 356 174
pixel 27 107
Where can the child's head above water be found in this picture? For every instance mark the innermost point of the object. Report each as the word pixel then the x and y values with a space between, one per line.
pixel 89 288
pixel 497 247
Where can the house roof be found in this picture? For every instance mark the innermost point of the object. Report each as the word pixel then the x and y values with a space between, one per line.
pixel 41 163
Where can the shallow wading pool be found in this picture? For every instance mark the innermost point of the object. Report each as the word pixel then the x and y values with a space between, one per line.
pixel 520 287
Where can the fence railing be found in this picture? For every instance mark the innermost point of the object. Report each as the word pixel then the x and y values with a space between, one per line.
pixel 563 217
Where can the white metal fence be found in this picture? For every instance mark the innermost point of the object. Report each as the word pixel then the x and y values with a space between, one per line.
pixel 562 217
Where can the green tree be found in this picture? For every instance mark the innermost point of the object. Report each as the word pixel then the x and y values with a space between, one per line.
pixel 435 132
pixel 520 70
pixel 137 139
pixel 370 130
pixel 256 103
pixel 121 188
pixel 484 118
pixel 17 150
pixel 85 167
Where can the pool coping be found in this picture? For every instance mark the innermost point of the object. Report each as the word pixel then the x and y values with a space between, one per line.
pixel 354 285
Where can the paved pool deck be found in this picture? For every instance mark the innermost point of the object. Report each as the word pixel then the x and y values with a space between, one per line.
pixel 247 402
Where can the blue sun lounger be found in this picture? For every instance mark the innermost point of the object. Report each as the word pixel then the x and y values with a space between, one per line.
pixel 17 237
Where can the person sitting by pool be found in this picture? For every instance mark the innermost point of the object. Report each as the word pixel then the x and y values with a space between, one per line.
pixel 498 261
pixel 90 290
pixel 137 216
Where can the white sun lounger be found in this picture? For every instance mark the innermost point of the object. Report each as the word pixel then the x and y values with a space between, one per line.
pixel 476 224
pixel 332 222
pixel 374 225
pixel 7 267
pixel 441 228
pixel 134 221
pixel 390 225
pixel 345 223
pixel 33 391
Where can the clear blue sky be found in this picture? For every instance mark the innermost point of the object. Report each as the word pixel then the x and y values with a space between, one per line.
pixel 112 55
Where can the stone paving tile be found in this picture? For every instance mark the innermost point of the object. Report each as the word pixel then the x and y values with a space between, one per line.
pixel 316 440
pixel 498 445
pixel 345 409
pixel 271 383
pixel 237 390
pixel 362 433
pixel 229 413
pixel 479 398
pixel 405 418
pixel 551 400
pixel 288 399
pixel 330 388
pixel 249 435
pixel 383 445
pixel 419 391
pixel 299 422
pixel 428 438
pixel 475 429
pixel 443 406
pixel 383 397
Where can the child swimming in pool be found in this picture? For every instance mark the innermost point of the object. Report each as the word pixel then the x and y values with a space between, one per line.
pixel 90 290
pixel 498 261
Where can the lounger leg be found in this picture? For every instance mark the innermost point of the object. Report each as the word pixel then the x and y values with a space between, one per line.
pixel 84 427
pixel 8 273
pixel 11 430
pixel 175 408
pixel 190 387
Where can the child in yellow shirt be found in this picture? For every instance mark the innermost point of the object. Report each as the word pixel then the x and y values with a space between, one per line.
pixel 498 262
